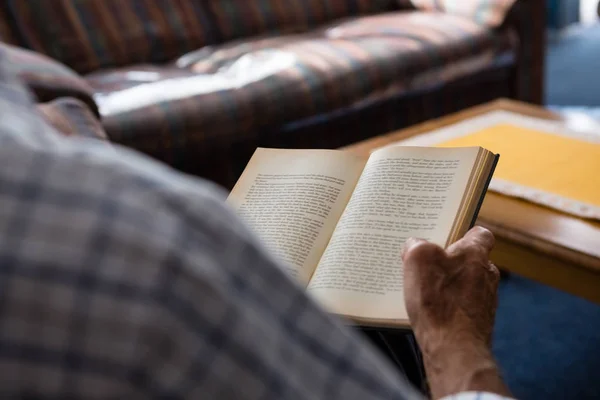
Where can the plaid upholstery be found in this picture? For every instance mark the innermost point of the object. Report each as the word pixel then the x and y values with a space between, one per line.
pixel 92 34
pixel 242 18
pixel 231 94
pixel 220 99
pixel 47 78
pixel 487 12
pixel 72 117
pixel 6 32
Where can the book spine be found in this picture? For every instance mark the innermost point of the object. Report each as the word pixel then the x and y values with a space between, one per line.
pixel 484 191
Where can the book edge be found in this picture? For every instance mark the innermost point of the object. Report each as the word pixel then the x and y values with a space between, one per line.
pixel 484 191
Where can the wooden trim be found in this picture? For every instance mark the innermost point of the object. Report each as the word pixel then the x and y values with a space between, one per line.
pixel 570 239
pixel 365 147
pixel 548 270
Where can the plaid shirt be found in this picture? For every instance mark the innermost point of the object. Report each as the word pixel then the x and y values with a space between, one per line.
pixel 121 278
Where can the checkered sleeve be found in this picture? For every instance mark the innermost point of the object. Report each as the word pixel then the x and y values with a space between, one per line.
pixel 120 278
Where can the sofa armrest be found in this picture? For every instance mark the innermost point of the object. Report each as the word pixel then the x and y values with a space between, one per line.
pixel 528 19
pixel 491 13
pixel 48 79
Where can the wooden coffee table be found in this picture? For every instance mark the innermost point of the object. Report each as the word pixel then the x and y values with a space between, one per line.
pixel 533 241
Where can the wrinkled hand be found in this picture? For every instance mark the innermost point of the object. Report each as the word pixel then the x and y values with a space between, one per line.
pixel 451 298
pixel 451 295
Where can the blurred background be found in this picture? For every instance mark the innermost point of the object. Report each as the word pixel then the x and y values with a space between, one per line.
pixel 573 56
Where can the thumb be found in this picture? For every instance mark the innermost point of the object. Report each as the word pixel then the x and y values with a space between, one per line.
pixel 420 259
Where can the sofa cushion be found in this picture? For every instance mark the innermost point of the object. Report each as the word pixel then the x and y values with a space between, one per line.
pixel 71 117
pixel 231 93
pixel 488 12
pixel 243 18
pixel 47 78
pixel 92 34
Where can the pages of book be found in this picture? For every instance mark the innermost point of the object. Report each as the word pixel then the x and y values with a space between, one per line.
pixel 293 199
pixel 403 192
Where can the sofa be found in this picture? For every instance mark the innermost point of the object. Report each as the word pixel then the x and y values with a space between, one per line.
pixel 199 84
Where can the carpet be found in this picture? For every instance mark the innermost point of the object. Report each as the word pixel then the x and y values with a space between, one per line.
pixel 573 68
pixel 547 342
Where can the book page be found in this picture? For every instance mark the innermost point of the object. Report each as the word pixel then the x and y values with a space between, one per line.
pixel 403 192
pixel 293 200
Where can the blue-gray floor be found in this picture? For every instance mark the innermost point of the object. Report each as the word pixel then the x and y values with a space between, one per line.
pixel 548 342
pixel 573 68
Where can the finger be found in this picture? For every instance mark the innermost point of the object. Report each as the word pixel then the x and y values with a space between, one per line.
pixel 477 237
pixel 492 267
pixel 410 243
pixel 419 252
pixel 422 260
pixel 493 270
pixel 481 236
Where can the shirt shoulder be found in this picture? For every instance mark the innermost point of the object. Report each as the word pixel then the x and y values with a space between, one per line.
pixel 124 278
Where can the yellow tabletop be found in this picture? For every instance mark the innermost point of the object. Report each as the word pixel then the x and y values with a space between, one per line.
pixel 566 166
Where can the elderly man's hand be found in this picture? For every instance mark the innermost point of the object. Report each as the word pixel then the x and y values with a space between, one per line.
pixel 451 292
pixel 451 298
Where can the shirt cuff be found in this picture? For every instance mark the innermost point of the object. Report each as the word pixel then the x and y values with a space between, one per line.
pixel 476 396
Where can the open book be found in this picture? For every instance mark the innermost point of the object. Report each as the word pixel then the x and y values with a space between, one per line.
pixel 338 222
